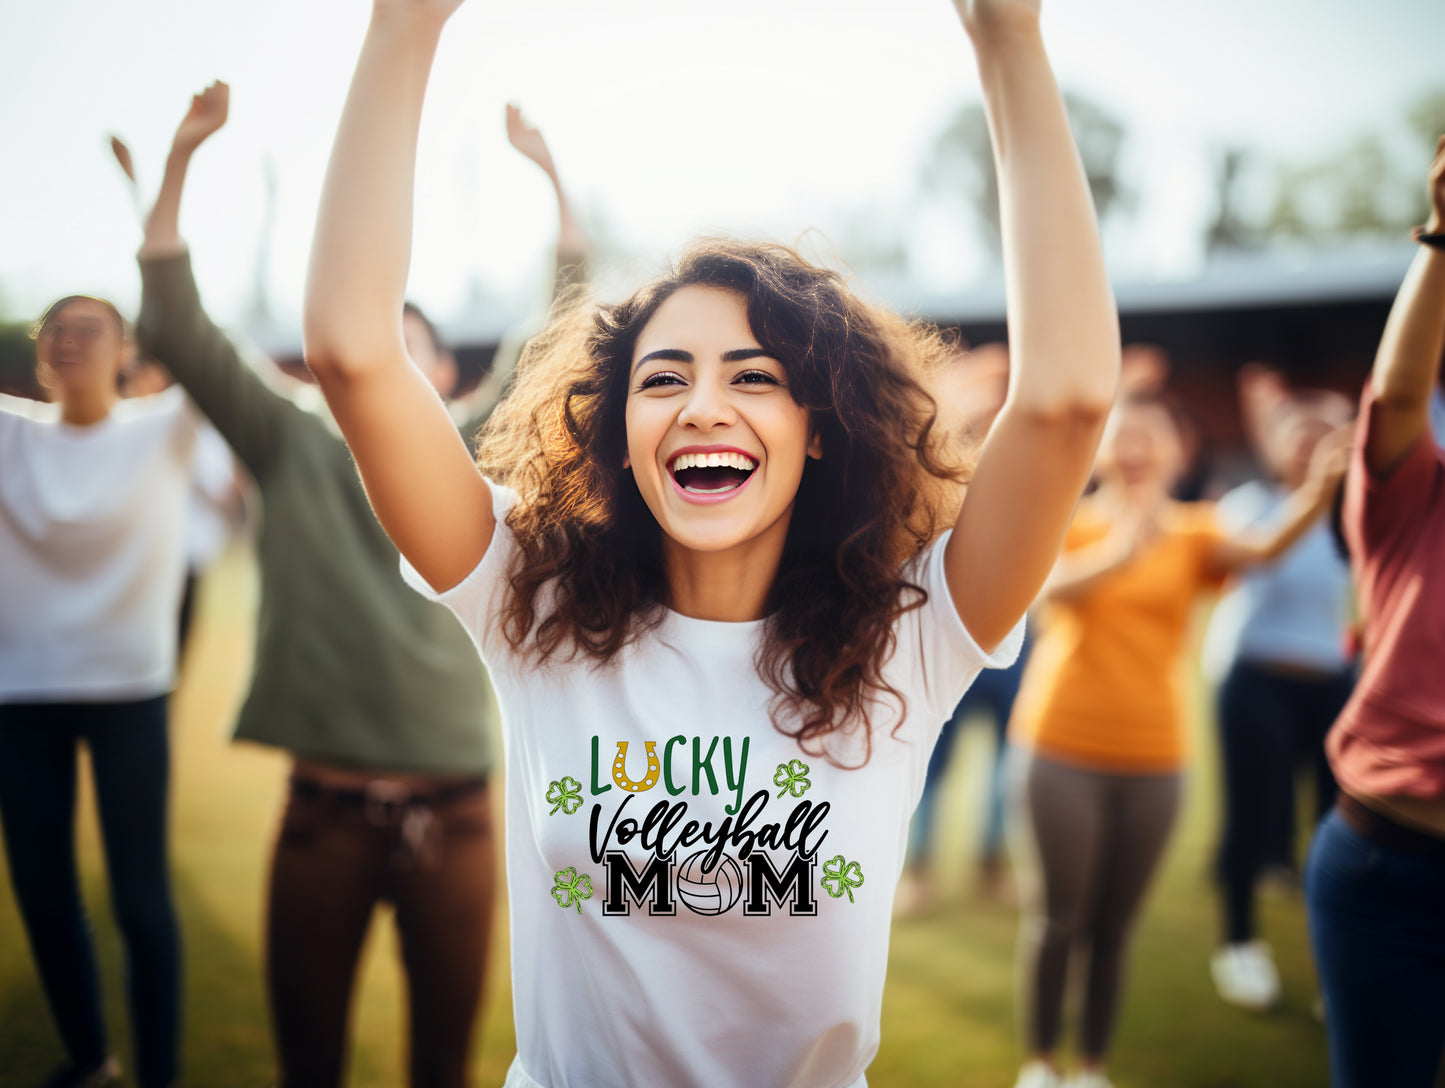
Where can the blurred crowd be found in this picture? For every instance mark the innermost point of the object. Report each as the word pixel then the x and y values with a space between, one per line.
pixel 162 440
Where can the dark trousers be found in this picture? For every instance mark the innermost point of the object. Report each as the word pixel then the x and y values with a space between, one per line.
pixel 130 755
pixel 335 861
pixel 1269 723
pixel 1377 924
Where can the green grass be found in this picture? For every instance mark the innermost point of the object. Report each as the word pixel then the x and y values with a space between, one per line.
pixel 948 1014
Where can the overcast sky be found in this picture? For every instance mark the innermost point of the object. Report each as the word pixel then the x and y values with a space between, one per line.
pixel 669 117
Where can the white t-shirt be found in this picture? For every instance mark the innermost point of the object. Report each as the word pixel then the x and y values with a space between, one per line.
pixel 214 509
pixel 636 959
pixel 91 547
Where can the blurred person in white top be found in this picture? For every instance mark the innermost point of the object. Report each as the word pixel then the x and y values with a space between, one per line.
pixel 92 500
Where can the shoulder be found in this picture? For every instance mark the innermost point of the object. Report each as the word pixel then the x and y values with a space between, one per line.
pixel 169 405
pixel 18 411
pixel 937 621
pixel 479 598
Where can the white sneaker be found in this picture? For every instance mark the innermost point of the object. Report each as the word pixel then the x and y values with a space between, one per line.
pixel 1091 1078
pixel 1245 975
pixel 1038 1074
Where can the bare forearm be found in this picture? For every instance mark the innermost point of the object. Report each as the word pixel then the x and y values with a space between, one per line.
pixel 163 227
pixel 1078 573
pixel 360 255
pixel 1408 362
pixel 1063 325
pixel 1306 505
pixel 571 238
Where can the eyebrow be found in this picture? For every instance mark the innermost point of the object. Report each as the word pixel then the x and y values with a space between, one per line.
pixel 677 355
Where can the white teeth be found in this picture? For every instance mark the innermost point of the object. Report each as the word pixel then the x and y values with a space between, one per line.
pixel 715 460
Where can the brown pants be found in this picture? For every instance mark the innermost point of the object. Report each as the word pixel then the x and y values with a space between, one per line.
pixel 1099 837
pixel 335 860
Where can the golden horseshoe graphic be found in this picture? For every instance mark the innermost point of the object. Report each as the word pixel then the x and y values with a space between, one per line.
pixel 619 768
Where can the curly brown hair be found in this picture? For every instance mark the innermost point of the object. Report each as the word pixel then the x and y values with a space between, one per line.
pixel 887 483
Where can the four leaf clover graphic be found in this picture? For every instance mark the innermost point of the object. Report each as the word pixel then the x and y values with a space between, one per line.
pixel 565 794
pixel 839 876
pixel 571 889
pixel 793 777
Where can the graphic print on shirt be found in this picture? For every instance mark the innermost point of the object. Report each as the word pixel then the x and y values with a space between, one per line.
pixel 763 854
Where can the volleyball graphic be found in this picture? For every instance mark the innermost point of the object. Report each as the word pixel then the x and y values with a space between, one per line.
pixel 711 892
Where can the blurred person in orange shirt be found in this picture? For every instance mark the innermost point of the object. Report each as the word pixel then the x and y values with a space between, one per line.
pixel 1101 710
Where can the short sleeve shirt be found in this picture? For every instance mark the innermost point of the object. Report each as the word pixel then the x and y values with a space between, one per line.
pixel 696 901
pixel 1104 686
pixel 1390 739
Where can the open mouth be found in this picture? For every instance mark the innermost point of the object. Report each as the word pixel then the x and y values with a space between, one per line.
pixel 712 473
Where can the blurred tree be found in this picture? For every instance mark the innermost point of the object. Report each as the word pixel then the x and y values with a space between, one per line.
pixel 871 238
pixel 1360 191
pixel 1370 187
pixel 1427 116
pixel 17 361
pixel 961 161
pixel 1232 226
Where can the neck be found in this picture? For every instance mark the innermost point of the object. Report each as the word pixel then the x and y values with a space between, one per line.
pixel 730 586
pixel 87 409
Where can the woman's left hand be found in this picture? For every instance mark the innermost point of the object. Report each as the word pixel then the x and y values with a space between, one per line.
pixel 208 113
pixel 1330 460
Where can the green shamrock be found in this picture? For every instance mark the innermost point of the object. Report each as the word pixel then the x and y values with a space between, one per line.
pixel 793 777
pixel 566 795
pixel 839 876
pixel 571 889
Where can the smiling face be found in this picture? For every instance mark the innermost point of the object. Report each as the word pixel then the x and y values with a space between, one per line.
pixel 1142 448
pixel 79 351
pixel 715 441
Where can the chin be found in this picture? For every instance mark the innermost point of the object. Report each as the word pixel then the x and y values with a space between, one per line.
pixel 720 536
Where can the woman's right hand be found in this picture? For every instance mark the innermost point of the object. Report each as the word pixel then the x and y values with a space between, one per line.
pixel 438 11
pixel 981 17
pixel 1436 222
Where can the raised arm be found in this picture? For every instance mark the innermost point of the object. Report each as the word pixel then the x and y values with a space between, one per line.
pixel 418 474
pixel 1078 572
pixel 1305 505
pixel 1407 365
pixel 1063 332
pixel 206 116
pixel 571 238
pixel 174 328
pixel 569 269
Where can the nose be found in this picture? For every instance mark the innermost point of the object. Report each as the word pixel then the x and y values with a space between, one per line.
pixel 707 405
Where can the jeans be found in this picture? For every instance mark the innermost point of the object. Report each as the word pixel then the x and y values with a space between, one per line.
pixel 1377 924
pixel 130 755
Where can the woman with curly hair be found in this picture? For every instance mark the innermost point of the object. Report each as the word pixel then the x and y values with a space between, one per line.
pixel 718 555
